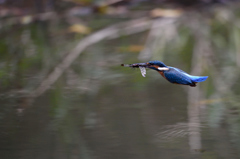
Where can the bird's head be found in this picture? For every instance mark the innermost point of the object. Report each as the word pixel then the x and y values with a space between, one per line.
pixel 157 65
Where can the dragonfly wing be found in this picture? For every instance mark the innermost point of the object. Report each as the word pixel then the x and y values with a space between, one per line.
pixel 143 71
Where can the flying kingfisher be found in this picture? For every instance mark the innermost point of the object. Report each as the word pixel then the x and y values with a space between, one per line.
pixel 172 74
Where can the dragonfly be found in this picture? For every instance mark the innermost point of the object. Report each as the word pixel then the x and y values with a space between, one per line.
pixel 141 66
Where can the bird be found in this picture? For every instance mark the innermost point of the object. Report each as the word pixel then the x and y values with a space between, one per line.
pixel 171 74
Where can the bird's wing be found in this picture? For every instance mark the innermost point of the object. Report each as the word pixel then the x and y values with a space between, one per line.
pixel 177 69
pixel 193 78
pixel 175 76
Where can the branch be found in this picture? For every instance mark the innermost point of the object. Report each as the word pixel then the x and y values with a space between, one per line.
pixel 112 32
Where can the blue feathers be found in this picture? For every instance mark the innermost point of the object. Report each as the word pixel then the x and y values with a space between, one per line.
pixel 175 75
pixel 158 63
pixel 193 78
pixel 198 78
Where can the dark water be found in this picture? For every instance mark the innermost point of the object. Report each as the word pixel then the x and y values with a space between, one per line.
pixel 98 109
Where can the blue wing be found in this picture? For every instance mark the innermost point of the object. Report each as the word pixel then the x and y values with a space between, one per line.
pixel 177 69
pixel 176 75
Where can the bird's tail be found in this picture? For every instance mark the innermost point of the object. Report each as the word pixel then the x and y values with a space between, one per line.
pixel 198 78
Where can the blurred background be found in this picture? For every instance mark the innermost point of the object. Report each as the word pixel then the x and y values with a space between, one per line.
pixel 63 93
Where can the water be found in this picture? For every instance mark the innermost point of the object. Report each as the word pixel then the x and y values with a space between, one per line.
pixel 98 109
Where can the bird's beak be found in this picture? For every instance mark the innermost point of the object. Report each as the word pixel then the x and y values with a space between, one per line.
pixel 148 65
pixel 163 68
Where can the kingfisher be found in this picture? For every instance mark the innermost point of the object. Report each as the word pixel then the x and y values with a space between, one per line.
pixel 172 74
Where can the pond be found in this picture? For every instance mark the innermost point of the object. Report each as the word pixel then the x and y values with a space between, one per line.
pixel 98 109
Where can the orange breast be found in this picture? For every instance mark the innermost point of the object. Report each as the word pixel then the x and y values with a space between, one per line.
pixel 161 73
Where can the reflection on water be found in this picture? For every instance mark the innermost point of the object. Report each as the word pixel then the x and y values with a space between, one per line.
pixel 129 119
pixel 97 109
